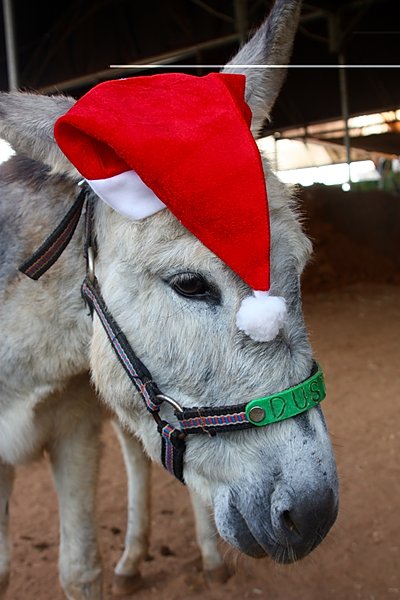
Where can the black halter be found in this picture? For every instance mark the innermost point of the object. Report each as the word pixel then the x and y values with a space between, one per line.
pixel 209 420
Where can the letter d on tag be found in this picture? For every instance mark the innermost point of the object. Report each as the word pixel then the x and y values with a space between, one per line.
pixel 278 406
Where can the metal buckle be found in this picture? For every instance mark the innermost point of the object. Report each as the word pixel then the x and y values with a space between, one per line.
pixel 90 264
pixel 171 402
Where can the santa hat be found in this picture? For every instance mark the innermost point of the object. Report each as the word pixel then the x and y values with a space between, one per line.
pixel 183 142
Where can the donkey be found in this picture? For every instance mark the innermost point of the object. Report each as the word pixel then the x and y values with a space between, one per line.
pixel 272 490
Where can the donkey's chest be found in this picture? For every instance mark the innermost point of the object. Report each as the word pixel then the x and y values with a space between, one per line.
pixel 46 331
pixel 32 421
pixel 23 430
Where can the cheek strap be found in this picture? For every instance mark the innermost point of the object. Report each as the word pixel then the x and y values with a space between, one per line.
pixel 52 248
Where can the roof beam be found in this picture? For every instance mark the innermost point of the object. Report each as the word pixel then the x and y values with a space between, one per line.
pixel 11 48
pixel 160 59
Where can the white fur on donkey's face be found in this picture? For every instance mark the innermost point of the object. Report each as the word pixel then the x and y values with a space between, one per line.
pixel 197 355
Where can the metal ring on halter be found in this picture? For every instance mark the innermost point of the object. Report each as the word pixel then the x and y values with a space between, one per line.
pixel 171 402
pixel 90 264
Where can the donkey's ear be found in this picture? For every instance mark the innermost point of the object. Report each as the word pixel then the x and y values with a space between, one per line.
pixel 270 45
pixel 27 122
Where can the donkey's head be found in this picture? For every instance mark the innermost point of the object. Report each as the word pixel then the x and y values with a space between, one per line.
pixel 274 489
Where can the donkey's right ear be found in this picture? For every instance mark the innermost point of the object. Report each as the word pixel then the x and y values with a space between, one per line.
pixel 270 45
pixel 27 122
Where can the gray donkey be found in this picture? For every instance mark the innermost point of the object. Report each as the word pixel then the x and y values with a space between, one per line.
pixel 272 490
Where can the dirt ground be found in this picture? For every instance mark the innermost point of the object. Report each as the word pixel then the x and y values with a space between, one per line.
pixel 355 331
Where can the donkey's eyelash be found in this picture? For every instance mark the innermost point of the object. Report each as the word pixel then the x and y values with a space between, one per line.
pixel 194 286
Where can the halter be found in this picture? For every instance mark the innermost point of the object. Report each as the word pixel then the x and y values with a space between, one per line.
pixel 258 412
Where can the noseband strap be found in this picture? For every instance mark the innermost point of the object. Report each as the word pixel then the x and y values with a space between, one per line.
pixel 259 412
pixel 196 420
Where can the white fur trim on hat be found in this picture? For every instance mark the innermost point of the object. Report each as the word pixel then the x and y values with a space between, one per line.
pixel 128 195
pixel 261 316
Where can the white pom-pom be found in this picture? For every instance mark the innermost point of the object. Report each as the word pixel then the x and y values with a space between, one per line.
pixel 261 316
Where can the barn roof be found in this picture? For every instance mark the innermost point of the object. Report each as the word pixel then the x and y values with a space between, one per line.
pixel 67 46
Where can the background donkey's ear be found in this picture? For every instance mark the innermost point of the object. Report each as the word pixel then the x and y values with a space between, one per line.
pixel 27 122
pixel 271 44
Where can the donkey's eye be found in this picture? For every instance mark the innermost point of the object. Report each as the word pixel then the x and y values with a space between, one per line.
pixel 193 285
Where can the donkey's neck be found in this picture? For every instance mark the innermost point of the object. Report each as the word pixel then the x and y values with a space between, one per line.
pixel 54 344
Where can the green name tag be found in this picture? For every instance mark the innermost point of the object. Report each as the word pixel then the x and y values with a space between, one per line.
pixel 289 403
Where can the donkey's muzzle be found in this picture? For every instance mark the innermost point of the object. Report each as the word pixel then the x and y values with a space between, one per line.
pixel 286 527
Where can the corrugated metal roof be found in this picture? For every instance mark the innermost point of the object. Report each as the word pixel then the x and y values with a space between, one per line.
pixel 64 40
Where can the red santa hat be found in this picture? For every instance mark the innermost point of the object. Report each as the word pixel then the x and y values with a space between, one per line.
pixel 182 142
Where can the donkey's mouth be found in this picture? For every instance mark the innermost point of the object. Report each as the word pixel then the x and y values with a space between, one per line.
pixel 239 535
pixel 234 530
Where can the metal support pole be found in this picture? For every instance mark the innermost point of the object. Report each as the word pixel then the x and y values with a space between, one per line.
pixel 11 48
pixel 336 45
pixel 276 157
pixel 242 26
pixel 345 111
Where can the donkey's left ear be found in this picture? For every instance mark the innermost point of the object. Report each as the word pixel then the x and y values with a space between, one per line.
pixel 270 45
pixel 27 123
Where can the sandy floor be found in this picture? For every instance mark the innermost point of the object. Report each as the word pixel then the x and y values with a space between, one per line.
pixel 355 333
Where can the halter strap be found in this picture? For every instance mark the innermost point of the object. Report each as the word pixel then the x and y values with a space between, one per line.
pixel 133 366
pixel 52 248
pixel 172 440
pixel 210 420
pixel 259 412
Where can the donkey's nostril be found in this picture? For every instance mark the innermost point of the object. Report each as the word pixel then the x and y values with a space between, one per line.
pixel 289 523
pixel 300 521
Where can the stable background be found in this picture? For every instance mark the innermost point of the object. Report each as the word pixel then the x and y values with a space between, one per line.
pixel 351 288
